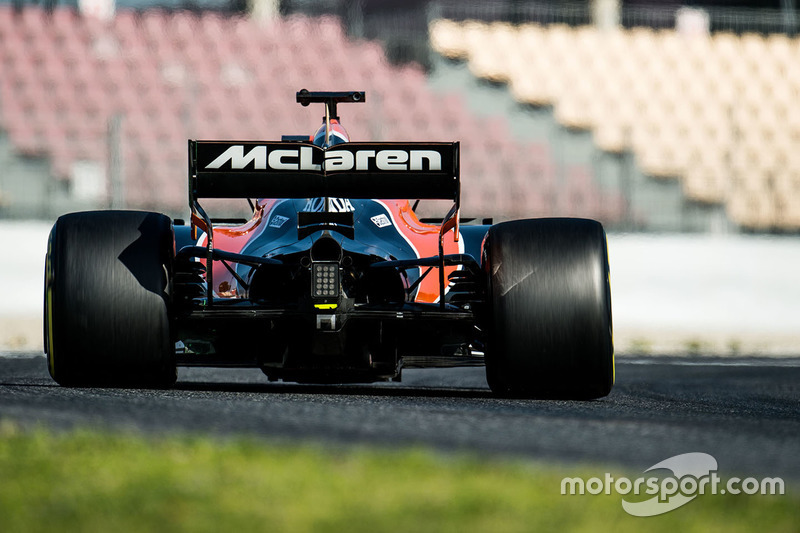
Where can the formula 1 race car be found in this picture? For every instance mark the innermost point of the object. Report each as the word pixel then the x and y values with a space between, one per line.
pixel 332 280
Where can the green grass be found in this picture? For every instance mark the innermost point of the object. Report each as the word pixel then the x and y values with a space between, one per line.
pixel 108 482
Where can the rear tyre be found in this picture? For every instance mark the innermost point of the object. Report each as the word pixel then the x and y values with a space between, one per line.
pixel 108 279
pixel 549 323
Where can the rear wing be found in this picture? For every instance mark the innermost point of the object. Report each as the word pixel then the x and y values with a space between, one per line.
pixel 234 169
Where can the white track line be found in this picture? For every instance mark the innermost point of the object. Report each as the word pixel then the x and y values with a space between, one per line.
pixel 771 362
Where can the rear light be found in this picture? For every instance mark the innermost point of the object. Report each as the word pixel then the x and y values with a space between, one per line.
pixel 325 280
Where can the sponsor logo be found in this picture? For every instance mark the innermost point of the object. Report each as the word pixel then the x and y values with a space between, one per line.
pixel 337 160
pixel 691 474
pixel 335 205
pixel 263 157
pixel 381 221
pixel 277 221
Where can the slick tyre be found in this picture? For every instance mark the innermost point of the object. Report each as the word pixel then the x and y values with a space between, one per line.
pixel 549 323
pixel 108 278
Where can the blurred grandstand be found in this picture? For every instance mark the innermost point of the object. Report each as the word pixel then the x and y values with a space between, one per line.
pixel 653 118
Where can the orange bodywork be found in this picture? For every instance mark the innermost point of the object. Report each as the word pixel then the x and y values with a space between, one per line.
pixel 423 238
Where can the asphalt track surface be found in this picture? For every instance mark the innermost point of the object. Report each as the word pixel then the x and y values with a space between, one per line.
pixel 745 412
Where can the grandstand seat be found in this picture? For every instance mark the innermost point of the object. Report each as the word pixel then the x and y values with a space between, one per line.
pixel 447 39
pixel 754 209
pixel 7 17
pixel 611 137
pixel 23 135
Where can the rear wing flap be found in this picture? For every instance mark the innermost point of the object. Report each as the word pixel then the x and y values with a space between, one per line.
pixel 247 169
